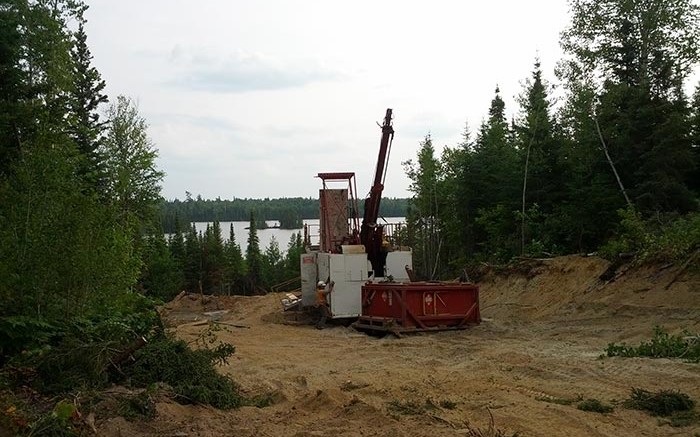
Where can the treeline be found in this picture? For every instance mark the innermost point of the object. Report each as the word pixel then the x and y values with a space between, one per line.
pixel 289 211
pixel 614 166
pixel 204 263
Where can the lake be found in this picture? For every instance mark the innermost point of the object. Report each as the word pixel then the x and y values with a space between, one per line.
pixel 266 235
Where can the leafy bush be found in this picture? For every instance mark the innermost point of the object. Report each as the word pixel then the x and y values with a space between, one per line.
pixel 191 373
pixel 595 406
pixel 663 238
pixel 662 345
pixel 22 333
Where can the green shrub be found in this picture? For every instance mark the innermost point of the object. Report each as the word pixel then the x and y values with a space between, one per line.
pixel 663 238
pixel 662 345
pixel 191 373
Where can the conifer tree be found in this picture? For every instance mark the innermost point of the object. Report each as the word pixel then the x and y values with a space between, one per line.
pixel 87 96
pixel 235 266
pixel 253 256
pixel 493 180
pixel 272 264
pixel 542 180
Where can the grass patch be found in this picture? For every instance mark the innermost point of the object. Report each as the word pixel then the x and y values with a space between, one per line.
pixel 661 345
pixel 594 405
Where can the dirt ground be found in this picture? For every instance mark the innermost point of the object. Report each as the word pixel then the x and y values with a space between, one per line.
pixel 545 326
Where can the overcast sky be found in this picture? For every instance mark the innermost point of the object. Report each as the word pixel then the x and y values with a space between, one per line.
pixel 254 98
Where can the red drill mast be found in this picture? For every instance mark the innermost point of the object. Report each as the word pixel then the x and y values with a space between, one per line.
pixel 371 233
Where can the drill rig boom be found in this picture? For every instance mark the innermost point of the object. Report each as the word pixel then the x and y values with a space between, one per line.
pixel 371 233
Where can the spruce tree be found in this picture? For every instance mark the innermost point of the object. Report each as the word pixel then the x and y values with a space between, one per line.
pixel 87 96
pixel 541 163
pixel 235 266
pixel 253 256
pixel 492 178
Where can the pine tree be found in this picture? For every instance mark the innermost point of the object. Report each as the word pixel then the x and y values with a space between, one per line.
pixel 193 260
pixel 492 181
pixel 272 264
pixel 541 161
pixel 177 244
pixel 86 128
pixel 295 247
pixel 235 265
pixel 253 256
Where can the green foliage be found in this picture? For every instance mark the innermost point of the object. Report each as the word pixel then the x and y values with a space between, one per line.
pixel 133 181
pixel 22 333
pixel 672 239
pixel 424 216
pixel 660 403
pixel 499 234
pixel 595 406
pixel 191 373
pixel 273 264
pixel 162 275
pixel 253 256
pixel 662 345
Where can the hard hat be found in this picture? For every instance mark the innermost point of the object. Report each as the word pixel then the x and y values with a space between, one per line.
pixel 321 284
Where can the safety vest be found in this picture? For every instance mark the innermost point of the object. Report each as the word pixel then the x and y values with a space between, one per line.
pixel 321 296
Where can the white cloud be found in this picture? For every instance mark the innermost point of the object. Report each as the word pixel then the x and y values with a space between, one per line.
pixel 252 99
pixel 240 71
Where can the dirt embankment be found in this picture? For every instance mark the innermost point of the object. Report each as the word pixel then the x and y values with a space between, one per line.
pixel 545 325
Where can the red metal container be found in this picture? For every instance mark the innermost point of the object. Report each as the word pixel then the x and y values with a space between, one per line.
pixel 418 306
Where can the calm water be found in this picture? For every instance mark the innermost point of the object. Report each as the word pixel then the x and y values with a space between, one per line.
pixel 265 235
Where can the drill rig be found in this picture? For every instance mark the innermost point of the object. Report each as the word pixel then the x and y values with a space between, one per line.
pixel 350 254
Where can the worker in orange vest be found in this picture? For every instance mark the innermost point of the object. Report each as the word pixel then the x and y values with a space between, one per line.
pixel 322 292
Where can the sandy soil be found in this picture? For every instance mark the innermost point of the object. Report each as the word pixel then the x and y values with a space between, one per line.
pixel 545 327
